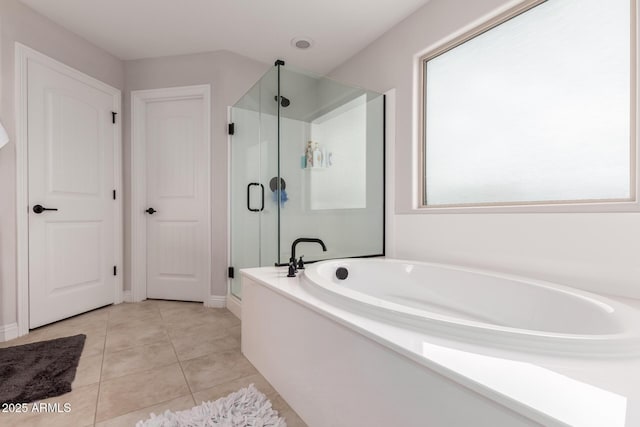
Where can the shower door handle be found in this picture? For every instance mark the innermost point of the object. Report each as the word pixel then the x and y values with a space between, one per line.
pixel 249 197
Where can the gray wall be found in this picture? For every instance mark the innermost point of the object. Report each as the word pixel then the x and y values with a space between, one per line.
pixel 594 251
pixel 21 24
pixel 230 76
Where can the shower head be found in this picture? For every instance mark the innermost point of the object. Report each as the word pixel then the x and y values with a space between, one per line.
pixel 283 101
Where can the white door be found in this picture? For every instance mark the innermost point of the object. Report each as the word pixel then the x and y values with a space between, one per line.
pixel 71 170
pixel 178 232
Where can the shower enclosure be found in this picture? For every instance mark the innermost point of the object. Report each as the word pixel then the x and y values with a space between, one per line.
pixel 307 160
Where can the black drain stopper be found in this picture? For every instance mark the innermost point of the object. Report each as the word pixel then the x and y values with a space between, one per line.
pixel 342 273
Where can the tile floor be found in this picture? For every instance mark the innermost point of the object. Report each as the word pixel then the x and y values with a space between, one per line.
pixel 149 357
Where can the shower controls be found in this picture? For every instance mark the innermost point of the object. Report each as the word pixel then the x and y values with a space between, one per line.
pixel 151 211
pixel 273 184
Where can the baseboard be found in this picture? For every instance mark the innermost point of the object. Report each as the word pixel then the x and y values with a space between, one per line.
pixel 127 296
pixel 215 301
pixel 8 332
pixel 234 305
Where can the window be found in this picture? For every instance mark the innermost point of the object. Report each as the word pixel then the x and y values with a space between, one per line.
pixel 537 109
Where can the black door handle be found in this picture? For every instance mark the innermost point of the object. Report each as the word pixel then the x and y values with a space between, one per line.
pixel 151 211
pixel 249 196
pixel 262 191
pixel 39 209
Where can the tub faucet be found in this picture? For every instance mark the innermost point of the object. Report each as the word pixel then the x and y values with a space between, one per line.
pixel 292 260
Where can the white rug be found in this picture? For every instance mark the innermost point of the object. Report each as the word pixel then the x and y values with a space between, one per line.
pixel 246 407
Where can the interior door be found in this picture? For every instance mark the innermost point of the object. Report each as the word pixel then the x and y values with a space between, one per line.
pixel 178 230
pixel 71 206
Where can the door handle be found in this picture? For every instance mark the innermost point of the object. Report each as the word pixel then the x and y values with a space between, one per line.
pixel 39 209
pixel 151 211
pixel 249 197
pixel 262 191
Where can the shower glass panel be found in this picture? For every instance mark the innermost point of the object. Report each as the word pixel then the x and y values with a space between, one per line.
pixel 316 149
pixel 332 159
pixel 254 221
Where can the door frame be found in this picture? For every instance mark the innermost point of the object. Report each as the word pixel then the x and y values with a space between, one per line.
pixel 139 101
pixel 24 54
pixel 233 303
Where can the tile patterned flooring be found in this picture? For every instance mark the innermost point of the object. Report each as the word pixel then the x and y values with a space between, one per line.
pixel 148 357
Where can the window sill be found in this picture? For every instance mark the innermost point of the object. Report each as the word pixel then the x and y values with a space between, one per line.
pixel 588 207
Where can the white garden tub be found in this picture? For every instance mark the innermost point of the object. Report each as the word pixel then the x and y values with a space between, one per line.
pixel 481 307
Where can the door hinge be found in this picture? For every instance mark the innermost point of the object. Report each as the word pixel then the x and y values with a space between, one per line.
pixel 113 117
pixel 232 128
pixel 115 270
pixel 114 194
pixel 231 273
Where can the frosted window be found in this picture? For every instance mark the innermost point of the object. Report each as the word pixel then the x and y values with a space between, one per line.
pixel 536 109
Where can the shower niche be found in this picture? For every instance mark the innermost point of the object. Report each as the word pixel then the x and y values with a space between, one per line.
pixel 307 160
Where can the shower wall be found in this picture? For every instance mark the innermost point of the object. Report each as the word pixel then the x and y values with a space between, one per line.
pixel 340 204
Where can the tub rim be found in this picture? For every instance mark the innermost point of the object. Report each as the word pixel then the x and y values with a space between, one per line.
pixel 625 343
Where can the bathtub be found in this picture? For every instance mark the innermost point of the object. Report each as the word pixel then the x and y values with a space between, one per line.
pixel 415 344
pixel 480 307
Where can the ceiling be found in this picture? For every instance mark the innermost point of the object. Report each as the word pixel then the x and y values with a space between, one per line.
pixel 259 29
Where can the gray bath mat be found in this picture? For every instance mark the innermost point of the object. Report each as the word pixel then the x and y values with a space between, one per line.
pixel 39 370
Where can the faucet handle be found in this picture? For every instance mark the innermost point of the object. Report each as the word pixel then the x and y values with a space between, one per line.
pixel 292 270
pixel 300 263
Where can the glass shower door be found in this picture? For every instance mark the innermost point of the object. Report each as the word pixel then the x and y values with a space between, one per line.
pixel 245 195
pixel 253 213
pixel 332 159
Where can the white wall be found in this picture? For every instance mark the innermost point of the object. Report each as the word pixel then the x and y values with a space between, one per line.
pixel 230 76
pixel 343 183
pixel 594 251
pixel 21 24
